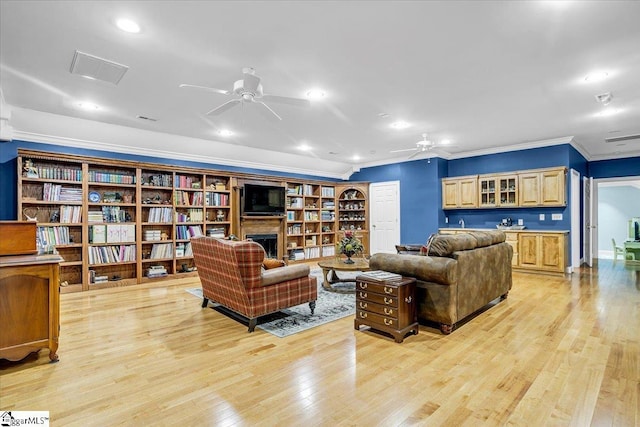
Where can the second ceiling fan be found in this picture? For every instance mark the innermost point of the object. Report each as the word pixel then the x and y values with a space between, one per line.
pixel 423 146
pixel 249 90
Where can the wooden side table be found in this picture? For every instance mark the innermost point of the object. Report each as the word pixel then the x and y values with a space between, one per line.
pixel 387 306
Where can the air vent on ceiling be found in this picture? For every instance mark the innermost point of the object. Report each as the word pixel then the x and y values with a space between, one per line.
pixel 623 138
pixel 97 68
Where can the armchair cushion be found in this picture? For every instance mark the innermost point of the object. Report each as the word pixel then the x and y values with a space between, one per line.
pixel 290 272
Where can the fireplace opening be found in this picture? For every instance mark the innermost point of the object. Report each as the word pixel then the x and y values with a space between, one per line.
pixel 268 241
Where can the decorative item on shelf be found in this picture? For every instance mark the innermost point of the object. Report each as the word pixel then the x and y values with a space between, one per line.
pixel 349 245
pixel 31 214
pixel 220 215
pixel 94 197
pixel 29 169
pixel 127 198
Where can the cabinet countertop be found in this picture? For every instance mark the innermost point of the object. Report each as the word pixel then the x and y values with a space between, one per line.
pixel 526 230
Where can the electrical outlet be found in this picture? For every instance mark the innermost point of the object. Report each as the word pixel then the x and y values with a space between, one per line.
pixel 520 221
pixel 556 217
pixel 541 217
pixel 446 220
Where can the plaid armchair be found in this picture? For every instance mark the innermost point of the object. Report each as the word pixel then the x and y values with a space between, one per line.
pixel 231 274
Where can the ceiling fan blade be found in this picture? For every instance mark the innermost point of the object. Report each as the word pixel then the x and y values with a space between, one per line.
pixel 251 82
pixel 210 89
pixel 417 153
pixel 268 108
pixel 298 102
pixel 224 107
pixel 400 151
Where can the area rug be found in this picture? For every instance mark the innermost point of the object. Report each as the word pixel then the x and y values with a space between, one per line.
pixel 330 306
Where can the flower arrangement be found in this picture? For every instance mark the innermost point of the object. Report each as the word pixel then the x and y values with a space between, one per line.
pixel 349 245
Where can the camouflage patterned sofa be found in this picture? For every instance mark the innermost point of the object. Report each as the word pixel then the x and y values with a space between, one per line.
pixel 457 274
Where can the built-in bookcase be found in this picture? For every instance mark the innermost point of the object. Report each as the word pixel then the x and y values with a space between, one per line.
pixel 119 223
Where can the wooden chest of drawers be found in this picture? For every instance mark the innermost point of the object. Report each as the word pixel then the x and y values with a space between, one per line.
pixel 387 306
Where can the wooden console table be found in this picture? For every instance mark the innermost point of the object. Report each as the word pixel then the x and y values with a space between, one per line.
pixel 29 305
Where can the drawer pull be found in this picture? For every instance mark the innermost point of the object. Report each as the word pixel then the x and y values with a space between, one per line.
pixel 363 295
pixel 408 299
pixel 362 285
pixel 388 301
pixel 388 311
pixel 388 322
pixel 388 290
pixel 363 314
pixel 363 304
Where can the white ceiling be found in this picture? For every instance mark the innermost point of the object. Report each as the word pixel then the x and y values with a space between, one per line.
pixel 489 76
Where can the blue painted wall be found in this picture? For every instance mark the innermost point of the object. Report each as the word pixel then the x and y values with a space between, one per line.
pixel 420 194
pixel 8 165
pixel 615 168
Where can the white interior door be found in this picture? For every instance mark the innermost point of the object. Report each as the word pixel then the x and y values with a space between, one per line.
pixel 384 214
pixel 589 226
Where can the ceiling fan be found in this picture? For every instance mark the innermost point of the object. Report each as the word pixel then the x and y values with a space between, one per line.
pixel 248 90
pixel 422 146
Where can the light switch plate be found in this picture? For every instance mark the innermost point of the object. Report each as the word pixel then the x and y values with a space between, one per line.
pixel 541 217
pixel 556 217
pixel 520 221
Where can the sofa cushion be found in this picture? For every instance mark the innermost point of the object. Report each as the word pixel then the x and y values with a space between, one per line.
pixel 488 238
pixel 446 244
pixel 290 272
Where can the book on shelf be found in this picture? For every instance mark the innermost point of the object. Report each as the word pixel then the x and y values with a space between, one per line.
pixel 381 276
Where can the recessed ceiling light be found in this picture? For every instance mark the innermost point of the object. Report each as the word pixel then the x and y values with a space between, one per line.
pixel 445 142
pixel 304 147
pixel 128 26
pixel 400 125
pixel 596 76
pixel 225 132
pixel 355 157
pixel 88 106
pixel 608 112
pixel 316 94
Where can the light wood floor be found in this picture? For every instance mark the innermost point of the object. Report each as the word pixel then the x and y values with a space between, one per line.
pixel 558 351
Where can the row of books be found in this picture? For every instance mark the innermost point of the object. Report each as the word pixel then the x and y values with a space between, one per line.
pixel 66 174
pixel 311 216
pixel 163 214
pixel 191 215
pixel 111 177
pixel 188 198
pixel 71 214
pixel 112 233
pixel 111 254
pixel 328 216
pixel 327 192
pixel 114 214
pixel 161 251
pixel 295 202
pixel 188 231
pixel 56 192
pixel 184 181
pixel 53 236
pixel 217 199
pixel 184 250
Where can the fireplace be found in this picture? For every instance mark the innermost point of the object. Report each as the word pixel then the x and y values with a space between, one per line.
pixel 268 241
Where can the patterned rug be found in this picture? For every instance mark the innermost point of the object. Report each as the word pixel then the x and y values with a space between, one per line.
pixel 330 306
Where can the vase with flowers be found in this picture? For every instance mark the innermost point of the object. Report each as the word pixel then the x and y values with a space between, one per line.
pixel 349 245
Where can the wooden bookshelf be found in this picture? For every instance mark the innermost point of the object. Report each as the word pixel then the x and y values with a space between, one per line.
pixel 120 223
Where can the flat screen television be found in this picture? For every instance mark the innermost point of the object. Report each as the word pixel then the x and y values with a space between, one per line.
pixel 263 200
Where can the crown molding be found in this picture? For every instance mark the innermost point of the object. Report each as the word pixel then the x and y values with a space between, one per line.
pixel 162 154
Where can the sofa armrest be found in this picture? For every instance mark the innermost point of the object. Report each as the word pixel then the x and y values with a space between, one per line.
pixel 440 270
pixel 283 274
